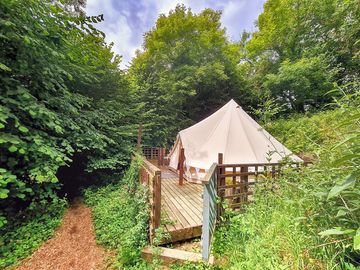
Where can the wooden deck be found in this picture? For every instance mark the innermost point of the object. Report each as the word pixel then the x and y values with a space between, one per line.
pixel 181 207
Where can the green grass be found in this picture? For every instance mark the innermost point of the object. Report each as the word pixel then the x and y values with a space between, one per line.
pixel 26 231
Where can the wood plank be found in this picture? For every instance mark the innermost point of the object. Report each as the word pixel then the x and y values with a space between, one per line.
pixel 189 188
pixel 183 210
pixel 183 234
pixel 191 207
pixel 186 190
pixel 178 223
pixel 169 256
pixel 188 195
pixel 173 218
pixel 174 211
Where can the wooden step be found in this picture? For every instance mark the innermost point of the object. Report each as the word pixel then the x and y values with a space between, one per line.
pixel 170 255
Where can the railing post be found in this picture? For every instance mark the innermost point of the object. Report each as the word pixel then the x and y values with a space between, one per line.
pixel 244 181
pixel 151 175
pixel 163 156
pixel 181 167
pixel 157 199
pixel 221 182
pixel 160 156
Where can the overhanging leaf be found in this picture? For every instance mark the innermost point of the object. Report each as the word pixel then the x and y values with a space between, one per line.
pixel 336 231
pixel 336 190
pixel 4 67
pixel 357 240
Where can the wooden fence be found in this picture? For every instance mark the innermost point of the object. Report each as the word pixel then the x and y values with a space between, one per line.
pixel 232 184
pixel 156 153
pixel 150 175
pixel 236 181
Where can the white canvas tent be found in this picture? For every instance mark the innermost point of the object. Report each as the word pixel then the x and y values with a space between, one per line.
pixel 230 131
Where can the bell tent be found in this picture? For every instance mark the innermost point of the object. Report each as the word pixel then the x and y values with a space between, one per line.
pixel 230 131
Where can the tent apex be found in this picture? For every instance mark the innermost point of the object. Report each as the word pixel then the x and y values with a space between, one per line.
pixel 233 102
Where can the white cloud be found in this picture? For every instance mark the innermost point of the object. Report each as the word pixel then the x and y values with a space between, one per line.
pixel 164 6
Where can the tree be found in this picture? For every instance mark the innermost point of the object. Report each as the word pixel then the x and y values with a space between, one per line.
pixel 62 96
pixel 302 85
pixel 298 31
pixel 186 70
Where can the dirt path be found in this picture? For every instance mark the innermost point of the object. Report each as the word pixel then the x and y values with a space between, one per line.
pixel 72 247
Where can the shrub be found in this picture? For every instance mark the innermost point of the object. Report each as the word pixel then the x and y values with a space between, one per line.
pixel 25 231
pixel 120 214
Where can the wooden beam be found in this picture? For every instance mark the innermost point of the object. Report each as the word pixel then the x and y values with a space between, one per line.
pixel 169 256
pixel 181 166
pixel 160 158
pixel 183 234
pixel 157 200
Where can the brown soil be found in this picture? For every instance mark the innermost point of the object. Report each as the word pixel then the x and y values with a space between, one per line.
pixel 73 246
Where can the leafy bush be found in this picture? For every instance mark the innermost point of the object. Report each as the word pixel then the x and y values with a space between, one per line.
pixel 120 214
pixel 53 103
pixel 308 219
pixel 25 232
pixel 309 134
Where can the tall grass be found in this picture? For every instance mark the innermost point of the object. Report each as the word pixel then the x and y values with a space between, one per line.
pixel 308 219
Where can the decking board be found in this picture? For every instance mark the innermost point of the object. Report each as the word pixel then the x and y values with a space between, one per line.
pixel 182 206
pixel 193 207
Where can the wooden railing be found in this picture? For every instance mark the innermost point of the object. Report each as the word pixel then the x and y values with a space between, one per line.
pixel 156 153
pixel 150 175
pixel 236 181
pixel 151 152
pixel 209 210
pixel 233 184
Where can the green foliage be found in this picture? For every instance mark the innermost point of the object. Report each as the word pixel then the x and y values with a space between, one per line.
pixel 187 69
pixel 308 219
pixel 26 231
pixel 301 84
pixel 120 214
pixel 61 93
pixel 265 237
pixel 300 48
pixel 193 266
pixel 309 134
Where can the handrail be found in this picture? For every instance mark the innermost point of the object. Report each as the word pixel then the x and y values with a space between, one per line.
pixel 263 164
pixel 151 168
pixel 151 176
pixel 209 210
pixel 208 175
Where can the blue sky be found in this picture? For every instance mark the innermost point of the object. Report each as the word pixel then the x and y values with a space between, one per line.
pixel 125 21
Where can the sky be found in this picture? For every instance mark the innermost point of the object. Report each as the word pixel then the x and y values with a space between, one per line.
pixel 126 21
